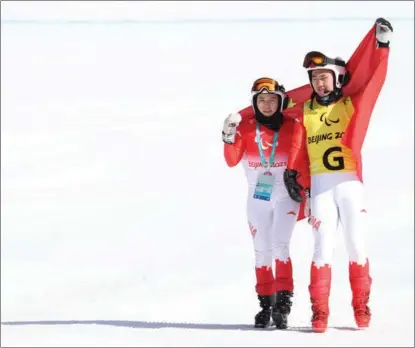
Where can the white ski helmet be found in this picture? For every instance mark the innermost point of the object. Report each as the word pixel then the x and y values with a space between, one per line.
pixel 269 85
pixel 316 60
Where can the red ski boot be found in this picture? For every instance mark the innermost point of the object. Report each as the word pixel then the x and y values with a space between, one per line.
pixel 360 283
pixel 319 288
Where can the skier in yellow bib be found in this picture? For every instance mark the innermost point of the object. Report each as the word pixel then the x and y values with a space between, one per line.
pixel 329 134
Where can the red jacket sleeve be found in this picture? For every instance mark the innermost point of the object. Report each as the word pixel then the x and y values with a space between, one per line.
pixel 233 152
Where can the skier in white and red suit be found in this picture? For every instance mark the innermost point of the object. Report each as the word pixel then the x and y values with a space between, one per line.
pixel 329 133
pixel 262 143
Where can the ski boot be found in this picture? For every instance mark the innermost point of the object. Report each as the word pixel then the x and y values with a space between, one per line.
pixel 360 282
pixel 362 313
pixel 319 320
pixel 263 317
pixel 319 288
pixel 281 309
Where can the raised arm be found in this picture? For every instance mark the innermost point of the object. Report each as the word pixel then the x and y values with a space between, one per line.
pixel 365 99
pixel 370 56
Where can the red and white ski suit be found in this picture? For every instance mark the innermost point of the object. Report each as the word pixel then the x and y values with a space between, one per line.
pixel 271 222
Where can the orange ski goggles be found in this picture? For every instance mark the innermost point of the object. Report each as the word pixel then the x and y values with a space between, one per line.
pixel 267 84
pixel 315 58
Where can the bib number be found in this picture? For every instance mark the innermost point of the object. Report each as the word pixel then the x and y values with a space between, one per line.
pixel 338 161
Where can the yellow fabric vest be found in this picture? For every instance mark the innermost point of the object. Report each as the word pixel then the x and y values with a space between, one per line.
pixel 325 126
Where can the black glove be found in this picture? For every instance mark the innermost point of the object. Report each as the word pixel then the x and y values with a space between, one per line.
pixel 384 32
pixel 292 186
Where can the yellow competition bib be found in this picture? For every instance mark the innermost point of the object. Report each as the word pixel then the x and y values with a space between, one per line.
pixel 325 127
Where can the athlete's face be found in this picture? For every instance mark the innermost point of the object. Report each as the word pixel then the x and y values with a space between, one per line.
pixel 267 104
pixel 322 81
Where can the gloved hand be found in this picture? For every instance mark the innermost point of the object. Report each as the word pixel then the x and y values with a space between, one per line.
pixel 384 30
pixel 229 128
pixel 292 186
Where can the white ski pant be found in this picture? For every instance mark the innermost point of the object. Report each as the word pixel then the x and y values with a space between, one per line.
pixel 271 224
pixel 338 198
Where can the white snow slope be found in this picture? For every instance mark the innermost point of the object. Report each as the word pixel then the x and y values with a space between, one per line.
pixel 121 223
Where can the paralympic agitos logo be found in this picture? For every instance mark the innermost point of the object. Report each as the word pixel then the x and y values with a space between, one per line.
pixel 327 120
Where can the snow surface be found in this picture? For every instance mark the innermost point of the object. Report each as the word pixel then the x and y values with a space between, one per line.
pixel 121 223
